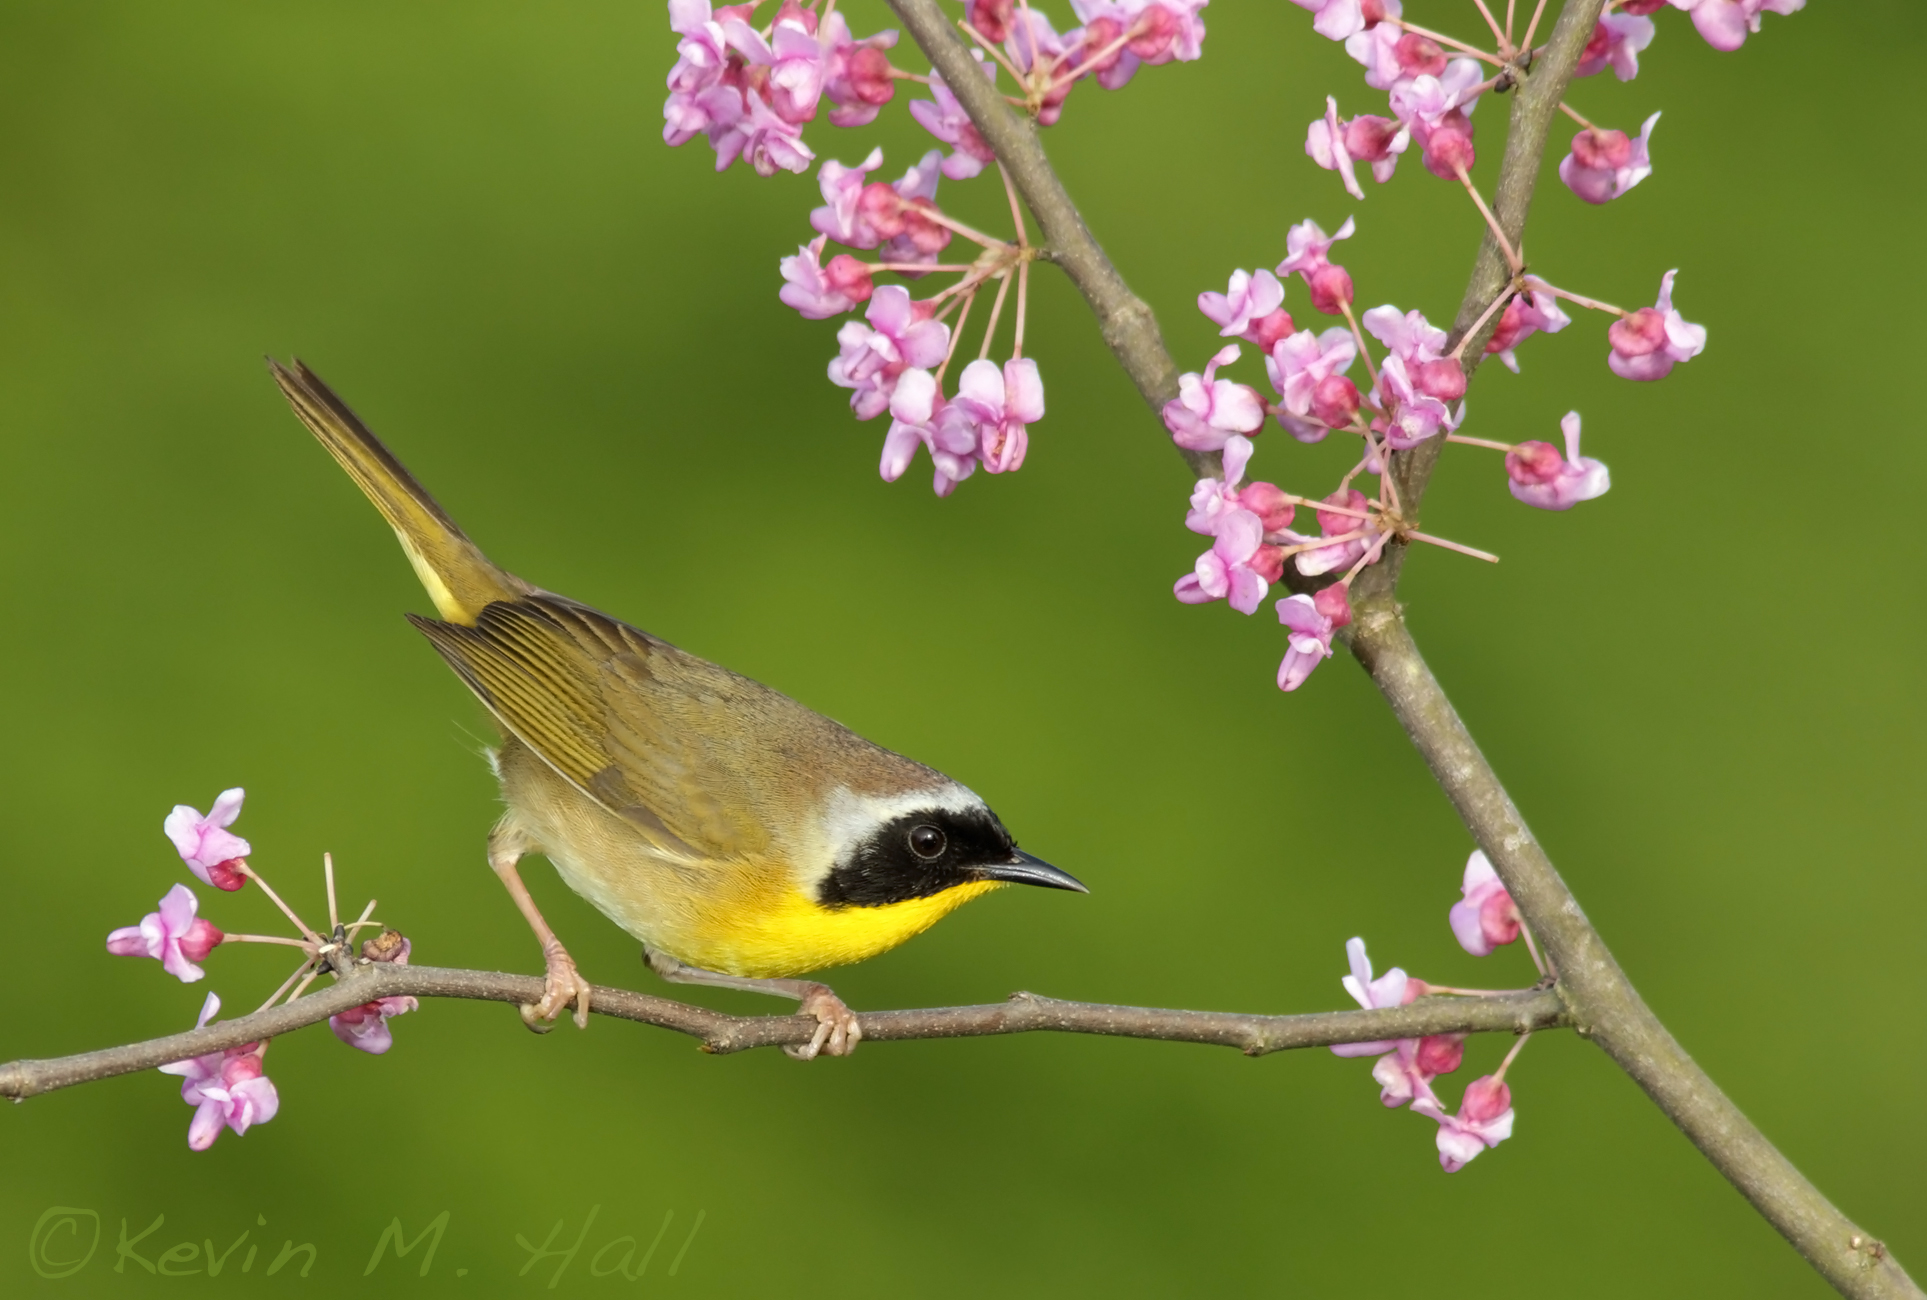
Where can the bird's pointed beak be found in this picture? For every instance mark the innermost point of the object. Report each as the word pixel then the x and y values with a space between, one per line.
pixel 1023 869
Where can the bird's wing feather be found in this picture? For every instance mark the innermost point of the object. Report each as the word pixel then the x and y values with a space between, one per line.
pixel 623 716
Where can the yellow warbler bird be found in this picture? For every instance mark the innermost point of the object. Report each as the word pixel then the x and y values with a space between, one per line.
pixel 743 838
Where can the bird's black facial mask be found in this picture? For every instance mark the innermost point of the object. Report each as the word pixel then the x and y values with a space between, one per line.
pixel 918 855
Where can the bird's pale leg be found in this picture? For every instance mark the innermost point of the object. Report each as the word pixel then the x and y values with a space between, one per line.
pixel 562 984
pixel 837 1030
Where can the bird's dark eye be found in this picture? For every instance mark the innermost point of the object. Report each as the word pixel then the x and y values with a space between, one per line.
pixel 927 841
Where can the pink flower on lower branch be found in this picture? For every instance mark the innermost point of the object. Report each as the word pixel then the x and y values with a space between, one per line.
pixel 1406 1066
pixel 1308 370
pixel 857 76
pixel 915 408
pixel 1333 523
pixel 227 1089
pixel 366 1026
pixel 174 935
pixel 1310 639
pixel 1540 477
pixel 1648 343
pixel 205 844
pixel 1605 164
pixel 901 336
pixel 994 408
pixel 1212 498
pixel 1208 410
pixel 1484 1120
pixel 1485 916
pixel 1725 23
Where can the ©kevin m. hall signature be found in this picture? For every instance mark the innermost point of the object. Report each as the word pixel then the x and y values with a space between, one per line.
pixel 67 1239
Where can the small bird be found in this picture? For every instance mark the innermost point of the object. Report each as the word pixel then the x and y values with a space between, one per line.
pixel 743 838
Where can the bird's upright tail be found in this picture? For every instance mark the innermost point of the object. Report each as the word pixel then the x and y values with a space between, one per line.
pixel 459 578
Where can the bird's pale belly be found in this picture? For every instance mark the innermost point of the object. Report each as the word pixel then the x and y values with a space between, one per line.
pixel 747 917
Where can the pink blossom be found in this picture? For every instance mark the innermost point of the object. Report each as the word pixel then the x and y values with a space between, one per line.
pixel 903 215
pixel 1725 23
pixel 1240 565
pixel 857 73
pixel 1407 334
pixel 1339 19
pixel 1485 917
pixel 702 55
pixel 1207 410
pixel 1412 414
pixel 1393 56
pixel 818 292
pixel 799 63
pixel 1438 112
pixel 1159 31
pixel 1539 477
pixel 1524 316
pixel 206 845
pixel 994 408
pixel 1307 250
pixel 1605 164
pixel 225 1088
pixel 173 934
pixel 942 116
pixel 1648 343
pixel 1332 523
pixel 1249 308
pixel 746 127
pixel 915 408
pixel 1336 145
pixel 1388 990
pixel 366 1027
pixel 842 217
pixel 1309 644
pixel 901 336
pixel 1213 498
pixel 1408 1070
pixel 1616 40
pixel 1299 368
pixel 1484 1120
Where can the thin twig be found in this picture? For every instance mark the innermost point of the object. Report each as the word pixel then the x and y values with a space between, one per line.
pixel 1255 1035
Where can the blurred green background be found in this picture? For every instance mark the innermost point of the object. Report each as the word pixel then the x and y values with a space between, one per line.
pixel 1704 688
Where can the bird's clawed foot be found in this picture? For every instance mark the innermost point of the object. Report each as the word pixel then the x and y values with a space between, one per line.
pixel 837 1030
pixel 561 985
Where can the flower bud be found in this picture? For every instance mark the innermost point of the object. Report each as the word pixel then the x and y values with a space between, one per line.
pixel 239 1069
pixel 202 937
pixel 991 17
pixel 849 277
pixel 869 73
pixel 1486 1098
pixel 1419 55
pixel 1443 379
pixel 227 875
pixel 1336 604
pixel 1334 401
pixel 1448 149
pixel 1331 289
pixel 1269 502
pixel 1331 523
pixel 1442 1054
pixel 1534 462
pixel 1155 28
pixel 1602 150
pixel 1369 139
pixel 1641 333
pixel 1268 329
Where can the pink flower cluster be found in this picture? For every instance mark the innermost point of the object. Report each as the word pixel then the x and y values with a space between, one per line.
pixel 1432 95
pixel 751 91
pixel 1417 391
pixel 228 1089
pixel 1485 918
pixel 986 424
pixel 1116 38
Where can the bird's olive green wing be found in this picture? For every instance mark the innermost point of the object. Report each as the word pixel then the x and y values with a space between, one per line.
pixel 611 709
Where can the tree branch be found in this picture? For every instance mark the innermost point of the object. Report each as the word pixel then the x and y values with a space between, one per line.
pixel 1606 1007
pixel 1254 1035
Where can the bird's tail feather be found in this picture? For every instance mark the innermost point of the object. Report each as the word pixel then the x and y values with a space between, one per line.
pixel 459 578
